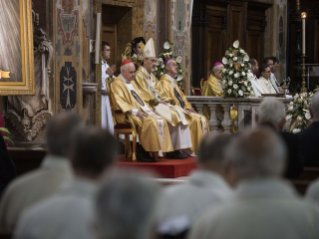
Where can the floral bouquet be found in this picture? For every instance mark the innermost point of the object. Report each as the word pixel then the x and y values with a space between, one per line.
pixel 168 53
pixel 235 81
pixel 298 112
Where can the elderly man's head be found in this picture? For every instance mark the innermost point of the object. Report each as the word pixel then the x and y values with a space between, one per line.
pixel 211 154
pixel 217 71
pixel 126 206
pixel 314 108
pixel 59 133
pixel 171 68
pixel 128 71
pixel 272 111
pixel 258 153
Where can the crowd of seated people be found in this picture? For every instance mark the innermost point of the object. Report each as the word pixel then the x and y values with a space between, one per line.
pixel 239 190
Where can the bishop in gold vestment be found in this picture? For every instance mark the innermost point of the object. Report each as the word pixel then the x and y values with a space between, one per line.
pixel 213 86
pixel 169 91
pixel 146 84
pixel 125 98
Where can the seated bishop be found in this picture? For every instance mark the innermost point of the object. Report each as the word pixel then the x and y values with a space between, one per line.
pixel 214 87
pixel 170 91
pixel 153 131
pixel 146 84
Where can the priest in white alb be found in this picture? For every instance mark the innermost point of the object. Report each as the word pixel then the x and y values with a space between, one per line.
pixel 264 80
pixel 146 84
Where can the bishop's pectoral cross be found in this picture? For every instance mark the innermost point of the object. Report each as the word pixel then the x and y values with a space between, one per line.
pixel 68 86
pixel 4 74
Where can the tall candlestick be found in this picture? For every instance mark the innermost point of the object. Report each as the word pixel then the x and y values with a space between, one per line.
pixel 303 16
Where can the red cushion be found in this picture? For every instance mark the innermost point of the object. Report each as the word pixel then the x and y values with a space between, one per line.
pixel 197 92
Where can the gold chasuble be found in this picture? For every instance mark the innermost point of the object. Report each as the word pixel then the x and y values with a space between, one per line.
pixel 198 125
pixel 211 87
pixel 151 137
pixel 146 84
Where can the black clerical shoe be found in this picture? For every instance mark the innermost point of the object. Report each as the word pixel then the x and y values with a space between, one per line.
pixel 142 156
pixel 176 155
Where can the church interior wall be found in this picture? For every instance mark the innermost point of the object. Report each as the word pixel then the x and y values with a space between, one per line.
pixel 72 62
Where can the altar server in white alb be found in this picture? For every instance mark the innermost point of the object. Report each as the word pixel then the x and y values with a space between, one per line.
pixel 107 72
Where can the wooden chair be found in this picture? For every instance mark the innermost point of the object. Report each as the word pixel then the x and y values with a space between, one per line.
pixel 202 82
pixel 127 129
pixel 196 91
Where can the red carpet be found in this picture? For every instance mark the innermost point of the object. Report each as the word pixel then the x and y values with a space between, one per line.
pixel 166 168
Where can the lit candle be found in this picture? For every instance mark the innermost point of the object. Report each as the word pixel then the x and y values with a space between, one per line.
pixel 304 16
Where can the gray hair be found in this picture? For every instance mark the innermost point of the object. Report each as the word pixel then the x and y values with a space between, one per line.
pixel 126 207
pixel 59 133
pixel 258 153
pixel 216 68
pixel 315 104
pixel 213 148
pixel 271 109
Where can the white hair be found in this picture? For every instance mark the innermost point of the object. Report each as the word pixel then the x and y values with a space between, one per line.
pixel 258 153
pixel 271 109
pixel 126 207
pixel 122 68
pixel 217 68
pixel 315 104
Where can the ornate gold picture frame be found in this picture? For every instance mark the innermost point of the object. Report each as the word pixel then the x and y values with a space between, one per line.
pixel 16 48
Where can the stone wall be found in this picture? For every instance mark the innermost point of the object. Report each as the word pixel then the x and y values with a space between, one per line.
pixel 276 35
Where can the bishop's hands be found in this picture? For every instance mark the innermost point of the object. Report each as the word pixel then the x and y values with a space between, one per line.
pixel 190 110
pixel 141 115
pixel 111 70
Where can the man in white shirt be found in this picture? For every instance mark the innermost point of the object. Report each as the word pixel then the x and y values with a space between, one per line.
pixel 264 206
pixel 107 72
pixel 207 187
pixel 69 213
pixel 264 80
pixel 41 183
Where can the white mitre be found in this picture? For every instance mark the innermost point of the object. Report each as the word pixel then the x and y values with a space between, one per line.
pixel 149 49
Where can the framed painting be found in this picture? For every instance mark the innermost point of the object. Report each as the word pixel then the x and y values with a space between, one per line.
pixel 16 48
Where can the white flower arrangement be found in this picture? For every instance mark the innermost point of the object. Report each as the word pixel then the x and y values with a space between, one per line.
pixel 169 53
pixel 235 75
pixel 298 112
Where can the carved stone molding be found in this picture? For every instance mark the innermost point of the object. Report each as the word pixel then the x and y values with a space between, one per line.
pixel 28 114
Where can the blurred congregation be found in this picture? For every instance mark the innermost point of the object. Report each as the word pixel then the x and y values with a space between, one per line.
pixel 100 100
pixel 241 188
